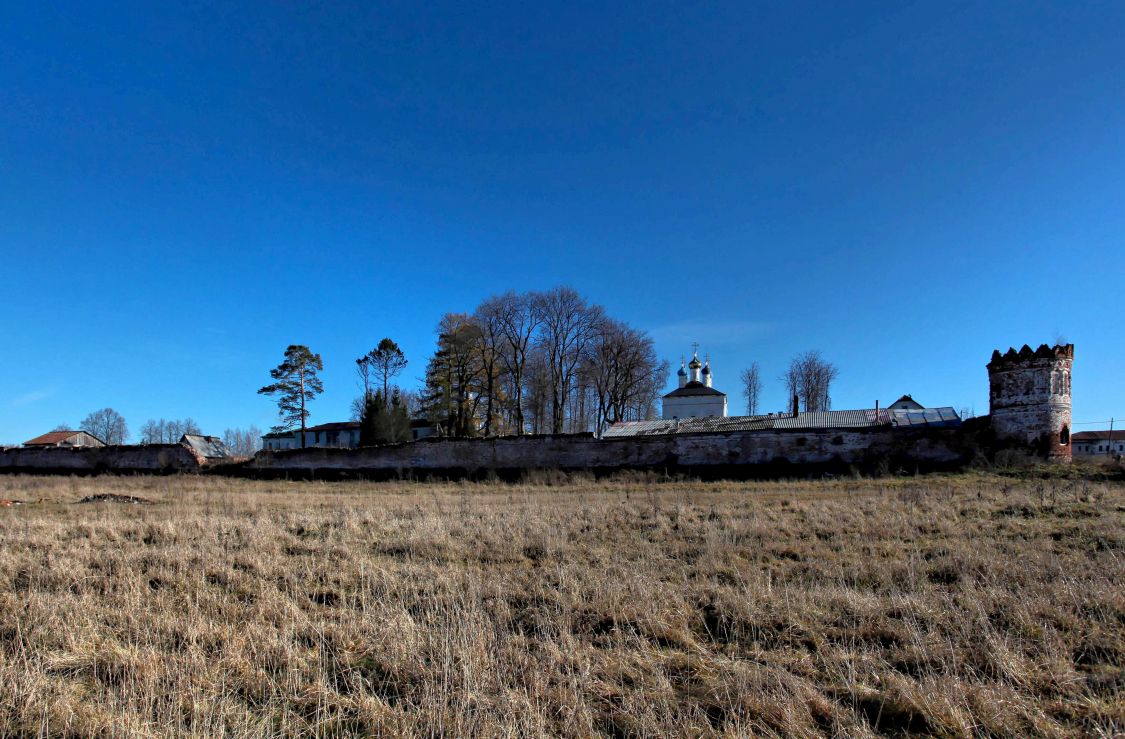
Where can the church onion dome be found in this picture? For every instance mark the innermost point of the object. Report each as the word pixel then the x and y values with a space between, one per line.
pixel 682 372
pixel 695 364
pixel 706 369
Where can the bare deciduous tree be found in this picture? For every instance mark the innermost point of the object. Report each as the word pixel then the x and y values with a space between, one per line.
pixel 537 391
pixel 525 362
pixel 243 442
pixel 516 322
pixel 160 431
pixel 624 374
pixel 810 377
pixel 107 425
pixel 568 327
pixel 751 388
pixel 490 347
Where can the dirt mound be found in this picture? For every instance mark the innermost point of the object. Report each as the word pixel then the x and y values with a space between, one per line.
pixel 115 498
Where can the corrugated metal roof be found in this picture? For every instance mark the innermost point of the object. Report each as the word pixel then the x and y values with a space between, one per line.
pixel 835 420
pixel 209 447
pixel 869 418
pixel 698 425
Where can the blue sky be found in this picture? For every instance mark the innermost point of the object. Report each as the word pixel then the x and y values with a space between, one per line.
pixel 185 189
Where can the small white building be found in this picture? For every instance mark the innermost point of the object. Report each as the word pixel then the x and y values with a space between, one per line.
pixel 694 397
pixel 906 403
pixel 340 434
pixel 278 440
pixel 337 434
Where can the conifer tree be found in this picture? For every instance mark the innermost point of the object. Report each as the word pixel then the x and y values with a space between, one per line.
pixel 295 384
pixel 399 418
pixel 375 421
pixel 386 360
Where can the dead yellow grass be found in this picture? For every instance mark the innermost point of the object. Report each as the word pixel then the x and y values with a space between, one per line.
pixel 960 606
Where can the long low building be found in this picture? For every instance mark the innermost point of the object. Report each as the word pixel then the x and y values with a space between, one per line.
pixel 1098 443
pixel 334 435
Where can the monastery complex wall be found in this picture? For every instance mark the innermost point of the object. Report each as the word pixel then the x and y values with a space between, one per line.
pixel 720 455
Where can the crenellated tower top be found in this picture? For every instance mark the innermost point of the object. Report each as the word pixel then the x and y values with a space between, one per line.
pixel 1029 398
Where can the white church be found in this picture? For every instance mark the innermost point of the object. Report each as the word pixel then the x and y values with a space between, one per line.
pixel 694 397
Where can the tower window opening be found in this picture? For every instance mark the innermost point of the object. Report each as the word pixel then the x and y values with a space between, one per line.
pixel 1064 436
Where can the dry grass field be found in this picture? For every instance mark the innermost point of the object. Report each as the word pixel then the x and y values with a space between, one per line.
pixel 953 606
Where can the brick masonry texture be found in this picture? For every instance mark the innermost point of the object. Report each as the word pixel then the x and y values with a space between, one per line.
pixel 1029 398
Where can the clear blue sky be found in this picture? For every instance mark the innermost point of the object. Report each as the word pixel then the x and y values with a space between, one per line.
pixel 187 188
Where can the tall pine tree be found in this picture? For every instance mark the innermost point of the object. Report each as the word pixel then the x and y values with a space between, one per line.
pixel 295 384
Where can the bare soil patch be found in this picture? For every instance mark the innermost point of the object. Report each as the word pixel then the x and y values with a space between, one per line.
pixel 115 498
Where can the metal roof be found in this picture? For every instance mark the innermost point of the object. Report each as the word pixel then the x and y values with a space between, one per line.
pixel 693 388
pixel 847 419
pixel 208 447
pixel 335 426
pixel 52 438
pixel 697 425
pixel 1116 435
pixel 835 420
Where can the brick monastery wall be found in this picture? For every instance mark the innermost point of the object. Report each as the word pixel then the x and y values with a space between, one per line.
pixel 89 460
pixel 720 455
pixel 745 454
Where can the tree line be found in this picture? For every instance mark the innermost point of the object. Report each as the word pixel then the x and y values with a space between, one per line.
pixel 539 362
pixel 532 362
pixel 110 427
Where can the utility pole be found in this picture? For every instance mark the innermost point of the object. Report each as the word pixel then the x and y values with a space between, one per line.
pixel 1109 444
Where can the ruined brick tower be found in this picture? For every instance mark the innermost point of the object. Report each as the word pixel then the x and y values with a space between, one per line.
pixel 1029 398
